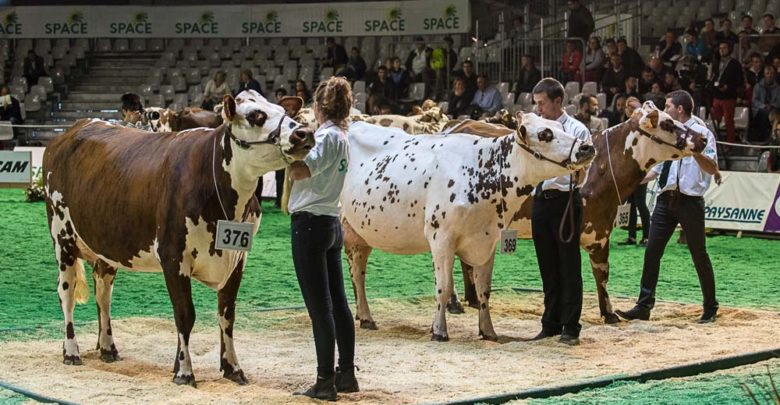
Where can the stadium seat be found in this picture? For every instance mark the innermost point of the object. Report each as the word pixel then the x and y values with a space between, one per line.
pixel 193 76
pixel 6 131
pixel 32 103
pixel 47 83
pixel 359 101
pixel 763 161
pixel 572 89
pixel 326 73
pixel 508 100
pixel 416 92
pixel 167 92
pixel 234 44
pixel 225 53
pixel 590 88
pixel 156 100
pixel 181 99
pixel 741 118
pixel 103 45
pixel 503 88
pixel 602 98
pixel 525 101
pixel 57 75
pixel 604 122
pixel 173 72
pixel 155 45
pixel 196 43
pixel 138 44
pixel 237 58
pixel 58 53
pixel 39 91
pixel 21 82
pixel 570 109
pixel 145 91
pixel 121 45
pixel 359 86
pixel 179 84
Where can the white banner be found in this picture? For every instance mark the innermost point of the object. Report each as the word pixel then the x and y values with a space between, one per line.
pixel 744 202
pixel 280 20
pixel 15 168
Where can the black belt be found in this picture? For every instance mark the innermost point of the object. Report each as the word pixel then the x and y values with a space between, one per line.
pixel 308 215
pixel 551 194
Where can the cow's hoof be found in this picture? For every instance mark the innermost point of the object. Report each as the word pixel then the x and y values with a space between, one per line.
pixel 72 360
pixel 370 325
pixel 455 308
pixel 439 338
pixel 237 377
pixel 611 319
pixel 185 380
pixel 474 305
pixel 109 356
pixel 489 338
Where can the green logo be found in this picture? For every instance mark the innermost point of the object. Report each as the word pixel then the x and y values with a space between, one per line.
pixel 269 25
pixel 342 165
pixel 74 24
pixel 331 15
pixel 76 17
pixel 394 14
pixel 206 24
pixel 330 24
pixel 11 18
pixel 393 22
pixel 11 25
pixel 449 21
pixel 206 17
pixel 140 17
pixel 451 11
pixel 271 16
pixel 139 25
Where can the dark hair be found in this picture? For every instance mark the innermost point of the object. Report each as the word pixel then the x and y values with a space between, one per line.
pixel 681 98
pixel 727 44
pixel 609 41
pixel 550 87
pixel 584 99
pixel 448 40
pixel 529 56
pixel 748 16
pixel 483 75
pixel 770 15
pixel 623 41
pixel 381 67
pixel 756 55
pixel 330 40
pixel 458 79
pixel 354 48
pixel 467 61
pixel 247 72
pixel 648 69
pixel 132 102
pixel 691 32
pixel 281 90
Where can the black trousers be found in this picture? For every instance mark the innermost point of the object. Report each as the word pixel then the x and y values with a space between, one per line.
pixel 670 209
pixel 259 191
pixel 559 262
pixel 316 247
pixel 639 202
pixel 279 187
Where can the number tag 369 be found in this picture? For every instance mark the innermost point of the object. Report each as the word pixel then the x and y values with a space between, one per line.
pixel 234 235
pixel 508 241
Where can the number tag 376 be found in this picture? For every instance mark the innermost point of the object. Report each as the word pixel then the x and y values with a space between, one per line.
pixel 234 235
pixel 508 241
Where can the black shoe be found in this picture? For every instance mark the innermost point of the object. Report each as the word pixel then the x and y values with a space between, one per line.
pixel 345 380
pixel 628 241
pixel 643 242
pixel 324 388
pixel 569 340
pixel 544 334
pixel 636 312
pixel 708 316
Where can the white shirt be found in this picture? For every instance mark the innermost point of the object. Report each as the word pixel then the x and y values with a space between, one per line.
pixel 693 181
pixel 327 163
pixel 574 127
pixel 419 62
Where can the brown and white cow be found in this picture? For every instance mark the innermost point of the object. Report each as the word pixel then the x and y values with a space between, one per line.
pixel 143 201
pixel 447 194
pixel 624 154
pixel 166 120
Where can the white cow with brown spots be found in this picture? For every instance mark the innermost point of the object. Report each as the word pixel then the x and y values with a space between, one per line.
pixel 447 194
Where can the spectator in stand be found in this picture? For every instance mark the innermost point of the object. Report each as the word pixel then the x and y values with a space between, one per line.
pixel 443 63
pixel 594 61
pixel 469 77
pixel 747 49
pixel 671 82
pixel 279 93
pixel 770 35
pixel 726 34
pixel 707 34
pixel 647 80
pixel 614 114
pixel 215 90
pixel 696 47
pixel 529 75
pixel 302 91
pixel 776 63
pixel 658 67
pixel 34 68
pixel 400 79
pixel 581 23
pixel 381 91
pixel 611 46
pixel 669 47
pixel 356 66
pixel 656 95
pixel 572 60
pixel 587 113
pixel 11 109
pixel 631 87
pixel 773 164
pixel 418 64
pixel 766 97
pixel 726 80
pixel 487 97
pixel 747 27
pixel 335 55
pixel 247 82
pixel 517 34
pixel 458 104
pixel 631 60
pixel 614 78
pixel 754 73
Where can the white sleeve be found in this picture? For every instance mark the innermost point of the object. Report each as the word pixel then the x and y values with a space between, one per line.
pixel 324 154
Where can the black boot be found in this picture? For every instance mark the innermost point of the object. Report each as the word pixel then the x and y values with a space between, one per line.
pixel 636 312
pixel 324 388
pixel 345 380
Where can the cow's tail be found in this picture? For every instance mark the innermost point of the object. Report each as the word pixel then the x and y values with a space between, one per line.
pixel 81 290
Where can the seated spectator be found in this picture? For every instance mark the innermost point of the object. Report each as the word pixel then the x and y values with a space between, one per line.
pixel 747 49
pixel 631 87
pixel 247 82
pixel 529 76
pixel 707 33
pixel 487 97
pixel 399 78
pixel 356 66
pixel 632 61
pixel 594 61
pixel 769 33
pixel 335 55
pixel 279 93
pixel 302 91
pixel 671 82
pixel 614 114
pixel 587 113
pixel 443 63
pixel 614 78
pixel 33 67
pixel 132 108
pixel 658 67
pixel 381 90
pixel 572 58
pixel 754 73
pixel 697 48
pixel 747 27
pixel 215 90
pixel 669 47
pixel 418 64
pixel 726 34
pixel 469 77
pixel 611 47
pixel 766 97
pixel 773 165
pixel 11 110
pixel 647 80
pixel 656 95
pixel 458 104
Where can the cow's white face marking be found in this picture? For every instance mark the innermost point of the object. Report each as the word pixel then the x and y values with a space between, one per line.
pixel 648 152
pixel 548 138
pixel 162 121
pixel 250 102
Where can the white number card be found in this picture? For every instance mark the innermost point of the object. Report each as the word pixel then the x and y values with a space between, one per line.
pixel 508 241
pixel 234 235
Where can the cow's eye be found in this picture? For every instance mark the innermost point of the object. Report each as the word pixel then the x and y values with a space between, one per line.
pixel 292 125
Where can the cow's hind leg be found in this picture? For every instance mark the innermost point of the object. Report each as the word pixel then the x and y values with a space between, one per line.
pixel 443 259
pixel 599 262
pixel 226 298
pixel 180 291
pixel 357 252
pixel 104 274
pixel 483 279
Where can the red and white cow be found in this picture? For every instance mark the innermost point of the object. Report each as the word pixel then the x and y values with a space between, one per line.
pixel 166 120
pixel 447 194
pixel 143 201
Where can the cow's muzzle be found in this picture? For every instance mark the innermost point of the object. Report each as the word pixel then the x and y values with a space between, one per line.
pixel 302 140
pixel 585 152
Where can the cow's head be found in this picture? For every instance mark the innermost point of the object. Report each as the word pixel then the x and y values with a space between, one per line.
pixel 256 122
pixel 547 142
pixel 159 119
pixel 660 137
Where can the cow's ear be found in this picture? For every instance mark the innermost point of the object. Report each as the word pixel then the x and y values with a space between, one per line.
pixel 291 104
pixel 519 118
pixel 652 118
pixel 228 108
pixel 522 135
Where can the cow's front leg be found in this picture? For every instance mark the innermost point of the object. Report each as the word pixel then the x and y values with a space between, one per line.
pixel 483 279
pixel 443 259
pixel 357 252
pixel 180 290
pixel 226 298
pixel 599 263
pixel 104 274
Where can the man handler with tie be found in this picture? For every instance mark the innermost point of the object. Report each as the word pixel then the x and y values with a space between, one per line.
pixel 682 185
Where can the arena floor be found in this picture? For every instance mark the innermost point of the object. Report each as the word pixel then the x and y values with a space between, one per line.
pixel 398 363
